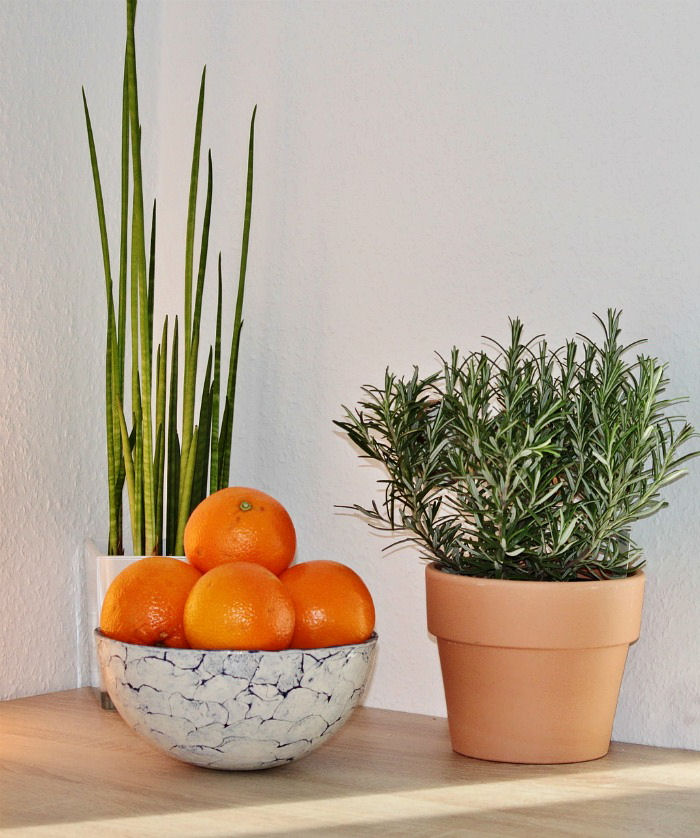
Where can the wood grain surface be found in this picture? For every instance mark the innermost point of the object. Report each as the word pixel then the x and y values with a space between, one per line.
pixel 69 768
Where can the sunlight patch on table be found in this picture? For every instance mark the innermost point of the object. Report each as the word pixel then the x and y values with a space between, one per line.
pixel 471 798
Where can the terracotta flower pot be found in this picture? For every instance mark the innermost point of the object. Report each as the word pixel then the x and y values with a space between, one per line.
pixel 532 670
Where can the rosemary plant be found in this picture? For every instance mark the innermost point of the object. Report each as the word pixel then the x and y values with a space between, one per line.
pixel 526 462
pixel 169 463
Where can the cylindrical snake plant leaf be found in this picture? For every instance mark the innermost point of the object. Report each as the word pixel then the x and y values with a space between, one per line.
pixel 201 467
pixel 225 440
pixel 173 480
pixel 139 261
pixel 216 390
pixel 111 355
pixel 190 345
pixel 187 468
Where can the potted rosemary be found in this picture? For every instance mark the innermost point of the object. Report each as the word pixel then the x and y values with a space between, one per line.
pixel 165 446
pixel 518 472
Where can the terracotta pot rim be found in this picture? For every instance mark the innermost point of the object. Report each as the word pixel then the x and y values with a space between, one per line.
pixel 588 584
pixel 545 615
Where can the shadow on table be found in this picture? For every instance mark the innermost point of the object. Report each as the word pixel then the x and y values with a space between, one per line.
pixel 671 814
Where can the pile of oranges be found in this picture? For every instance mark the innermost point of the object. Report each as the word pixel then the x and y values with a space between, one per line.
pixel 237 590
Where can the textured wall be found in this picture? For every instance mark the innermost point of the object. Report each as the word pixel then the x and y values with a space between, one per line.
pixel 51 325
pixel 423 171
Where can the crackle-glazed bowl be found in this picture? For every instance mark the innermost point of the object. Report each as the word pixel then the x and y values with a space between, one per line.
pixel 235 710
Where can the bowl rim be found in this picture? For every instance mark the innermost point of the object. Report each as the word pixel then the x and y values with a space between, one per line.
pixel 371 641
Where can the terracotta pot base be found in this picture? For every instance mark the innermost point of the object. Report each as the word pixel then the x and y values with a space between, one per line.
pixel 531 705
pixel 532 670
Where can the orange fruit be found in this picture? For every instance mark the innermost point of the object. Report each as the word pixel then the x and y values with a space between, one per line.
pixel 240 525
pixel 239 605
pixel 332 604
pixel 145 603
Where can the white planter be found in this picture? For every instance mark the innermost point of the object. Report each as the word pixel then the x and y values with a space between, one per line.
pixel 99 571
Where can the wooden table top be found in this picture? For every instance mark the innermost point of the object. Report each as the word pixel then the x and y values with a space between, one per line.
pixel 70 768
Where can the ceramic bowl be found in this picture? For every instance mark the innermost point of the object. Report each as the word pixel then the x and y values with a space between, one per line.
pixel 235 710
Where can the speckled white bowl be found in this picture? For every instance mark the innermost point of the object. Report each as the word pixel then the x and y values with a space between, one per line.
pixel 235 710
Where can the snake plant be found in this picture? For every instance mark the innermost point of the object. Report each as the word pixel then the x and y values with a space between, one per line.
pixel 168 455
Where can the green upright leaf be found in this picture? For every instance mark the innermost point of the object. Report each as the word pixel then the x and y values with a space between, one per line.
pixel 159 472
pixel 216 390
pixel 112 462
pixel 100 212
pixel 192 209
pixel 173 480
pixel 161 375
pixel 203 251
pixel 151 280
pixel 187 467
pixel 137 510
pixel 123 233
pixel 159 458
pixel 139 262
pixel 192 355
pixel 130 477
pixel 112 352
pixel 190 363
pixel 199 481
pixel 225 443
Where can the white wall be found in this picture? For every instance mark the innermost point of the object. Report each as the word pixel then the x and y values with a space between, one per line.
pixel 51 490
pixel 423 171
